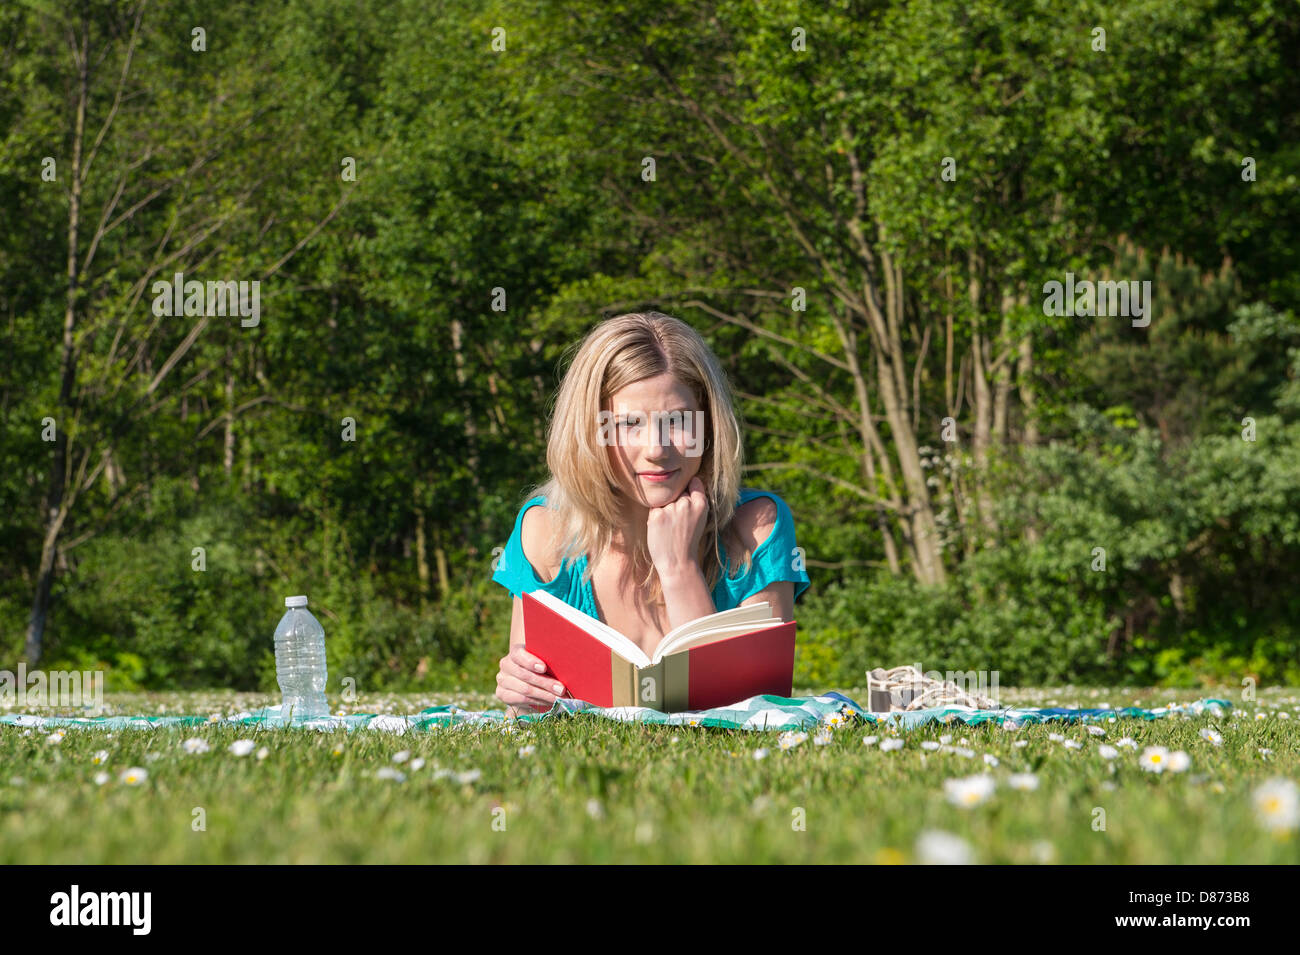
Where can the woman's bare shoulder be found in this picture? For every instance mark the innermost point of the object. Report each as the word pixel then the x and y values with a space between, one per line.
pixel 753 521
pixel 535 538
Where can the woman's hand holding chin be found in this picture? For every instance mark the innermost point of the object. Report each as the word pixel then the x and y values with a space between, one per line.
pixel 674 531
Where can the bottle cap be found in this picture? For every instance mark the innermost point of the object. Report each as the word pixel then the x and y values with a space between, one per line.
pixel 300 601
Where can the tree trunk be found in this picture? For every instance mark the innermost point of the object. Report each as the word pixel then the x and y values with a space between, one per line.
pixel 539 426
pixel 1025 385
pixel 471 436
pixel 928 563
pixel 55 506
pixel 871 446
pixel 982 433
pixel 947 352
pixel 882 519
pixel 228 446
pixel 421 558
pixel 498 419
pixel 892 382
pixel 440 558
pixel 1002 382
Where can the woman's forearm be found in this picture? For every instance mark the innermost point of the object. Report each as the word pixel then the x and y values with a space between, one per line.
pixel 686 596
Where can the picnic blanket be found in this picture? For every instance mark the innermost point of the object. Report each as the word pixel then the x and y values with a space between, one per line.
pixel 756 713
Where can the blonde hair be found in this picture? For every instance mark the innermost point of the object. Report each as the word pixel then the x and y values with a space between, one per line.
pixel 583 490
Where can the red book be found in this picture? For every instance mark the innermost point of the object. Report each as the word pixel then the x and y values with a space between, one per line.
pixel 716 660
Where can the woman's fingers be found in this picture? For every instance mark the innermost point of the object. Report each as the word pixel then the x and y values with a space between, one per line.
pixel 515 691
pixel 521 668
pixel 525 660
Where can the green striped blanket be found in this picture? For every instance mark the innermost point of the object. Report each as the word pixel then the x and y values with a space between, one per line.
pixel 756 713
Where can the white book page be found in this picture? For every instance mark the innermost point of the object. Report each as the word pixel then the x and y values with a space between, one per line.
pixel 708 636
pixel 602 632
pixel 681 636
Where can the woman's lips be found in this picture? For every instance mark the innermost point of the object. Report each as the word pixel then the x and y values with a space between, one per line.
pixel 658 478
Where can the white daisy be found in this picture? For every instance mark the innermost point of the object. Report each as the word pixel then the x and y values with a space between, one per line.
pixel 101 777
pixel 402 756
pixel 789 739
pixel 990 759
pixel 101 756
pixel 1154 759
pixel 417 763
pixel 1107 752
pixel 1072 744
pixel 869 740
pixel 1026 782
pixel 1096 730
pixel 241 747
pixel 1043 852
pixel 891 744
pixel 1020 743
pixel 1055 737
pixel 929 745
pixel 388 772
pixel 969 791
pixel 760 753
pixel 263 753
pixel 1277 804
pixel 1179 761
pixel 134 776
pixel 527 750
pixel 1127 742
pixel 1212 736
pixel 822 737
pixel 195 745
pixel 934 847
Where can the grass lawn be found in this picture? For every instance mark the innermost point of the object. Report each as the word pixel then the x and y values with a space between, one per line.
pixel 583 789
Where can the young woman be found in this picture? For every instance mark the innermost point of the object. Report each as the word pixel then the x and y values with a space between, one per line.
pixel 645 525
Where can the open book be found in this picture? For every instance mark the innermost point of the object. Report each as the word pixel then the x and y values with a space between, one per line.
pixel 716 660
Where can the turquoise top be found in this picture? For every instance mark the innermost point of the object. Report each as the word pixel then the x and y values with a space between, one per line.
pixel 774 559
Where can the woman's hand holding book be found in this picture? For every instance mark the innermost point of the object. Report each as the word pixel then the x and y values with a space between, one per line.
pixel 525 684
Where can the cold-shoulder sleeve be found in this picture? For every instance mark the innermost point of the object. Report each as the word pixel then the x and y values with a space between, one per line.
pixel 778 557
pixel 513 571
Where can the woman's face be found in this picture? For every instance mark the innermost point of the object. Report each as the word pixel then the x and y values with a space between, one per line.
pixel 654 426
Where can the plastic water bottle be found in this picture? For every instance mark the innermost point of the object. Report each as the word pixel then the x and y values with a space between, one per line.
pixel 300 662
